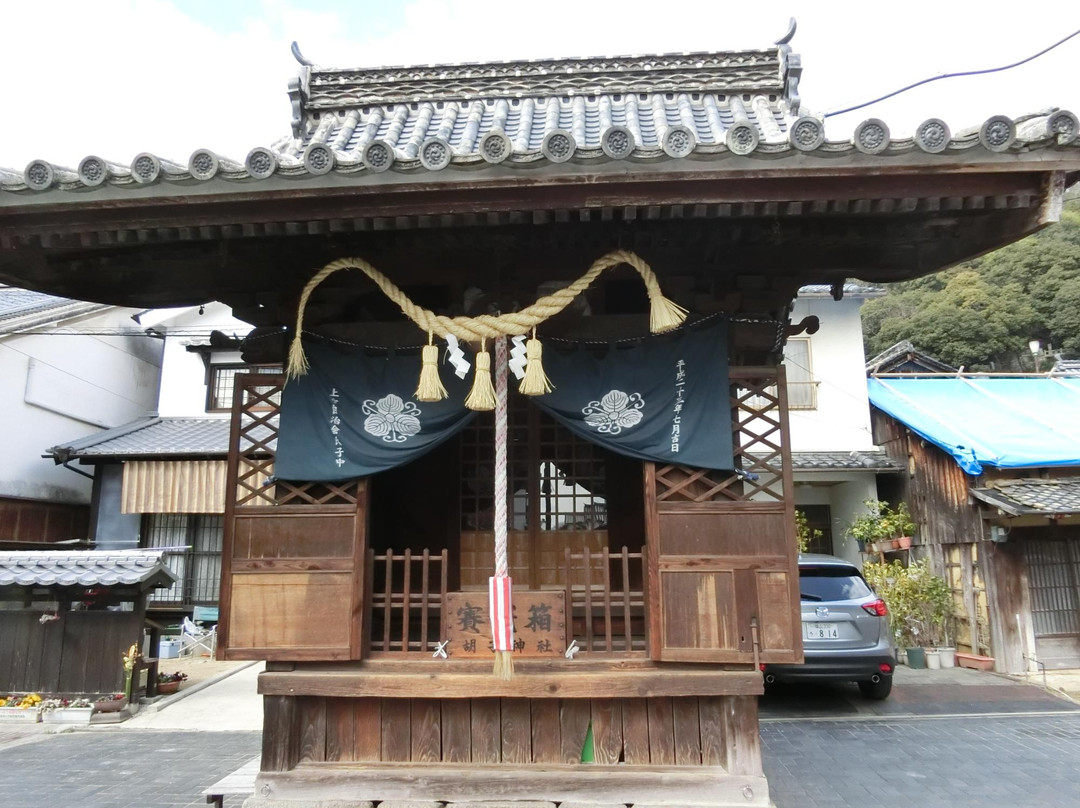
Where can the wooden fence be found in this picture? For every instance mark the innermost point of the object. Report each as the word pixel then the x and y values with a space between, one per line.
pixel 81 652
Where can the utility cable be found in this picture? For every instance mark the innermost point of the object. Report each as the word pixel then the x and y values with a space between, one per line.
pixel 952 76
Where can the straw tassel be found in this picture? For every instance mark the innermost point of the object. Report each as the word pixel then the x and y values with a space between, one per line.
pixel 297 365
pixel 536 382
pixel 430 387
pixel 664 315
pixel 482 396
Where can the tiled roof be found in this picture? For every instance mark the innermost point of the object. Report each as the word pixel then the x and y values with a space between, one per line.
pixel 905 357
pixel 155 436
pixel 1033 496
pixel 843 461
pixel 22 308
pixel 851 289
pixel 726 106
pixel 84 568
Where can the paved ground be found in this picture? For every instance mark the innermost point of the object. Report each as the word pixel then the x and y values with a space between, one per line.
pixel 946 738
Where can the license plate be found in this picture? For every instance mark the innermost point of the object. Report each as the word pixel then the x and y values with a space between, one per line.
pixel 821 631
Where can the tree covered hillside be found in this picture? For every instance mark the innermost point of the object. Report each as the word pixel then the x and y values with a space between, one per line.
pixel 981 314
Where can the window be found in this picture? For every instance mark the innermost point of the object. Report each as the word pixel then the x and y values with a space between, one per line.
pixel 195 544
pixel 219 391
pixel 819 523
pixel 801 387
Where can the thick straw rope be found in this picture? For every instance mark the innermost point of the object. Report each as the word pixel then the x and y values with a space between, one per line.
pixel 664 316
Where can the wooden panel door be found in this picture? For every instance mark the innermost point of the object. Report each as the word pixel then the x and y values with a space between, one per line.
pixel 725 579
pixel 293 571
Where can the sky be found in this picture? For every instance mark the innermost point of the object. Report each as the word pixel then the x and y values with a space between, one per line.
pixel 118 77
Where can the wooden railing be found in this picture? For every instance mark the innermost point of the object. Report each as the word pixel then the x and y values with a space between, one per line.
pixel 604 594
pixel 606 601
pixel 408 592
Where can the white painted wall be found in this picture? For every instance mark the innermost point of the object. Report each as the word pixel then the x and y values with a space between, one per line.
pixel 184 375
pixel 59 386
pixel 841 421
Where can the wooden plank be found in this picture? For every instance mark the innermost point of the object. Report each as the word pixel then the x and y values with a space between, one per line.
pixel 654 619
pixel 426 731
pixel 516 731
pixel 587 571
pixel 388 590
pixel 687 731
pixel 424 598
pixel 606 556
pixel 711 724
pixel 396 730
pixel 311 727
pixel 367 713
pixel 406 600
pixel 661 732
pixel 279 752
pixel 574 718
pixel 340 729
pixel 635 718
pixel 607 730
pixel 456 731
pixel 742 741
pixel 360 615
pixel 546 731
pixel 677 680
pixel 486 730
pixel 624 557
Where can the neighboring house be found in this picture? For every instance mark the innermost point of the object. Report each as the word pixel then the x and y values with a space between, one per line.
pixel 993 481
pixel 834 460
pixel 67 367
pixel 159 480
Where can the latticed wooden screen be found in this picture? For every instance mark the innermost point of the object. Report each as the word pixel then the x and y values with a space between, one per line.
pixel 293 578
pixel 758 423
pixel 725 567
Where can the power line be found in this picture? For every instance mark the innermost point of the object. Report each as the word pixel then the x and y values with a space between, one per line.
pixel 954 75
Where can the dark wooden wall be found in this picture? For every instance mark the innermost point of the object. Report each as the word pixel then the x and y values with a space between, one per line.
pixel 79 653
pixel 29 520
pixel 680 731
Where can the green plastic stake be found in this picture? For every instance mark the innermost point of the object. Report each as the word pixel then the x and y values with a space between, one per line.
pixel 587 747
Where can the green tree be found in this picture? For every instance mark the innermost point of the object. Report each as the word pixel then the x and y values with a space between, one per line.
pixel 981 314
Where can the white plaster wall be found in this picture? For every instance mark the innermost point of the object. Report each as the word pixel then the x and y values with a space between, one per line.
pixel 841 421
pixel 845 496
pixel 184 376
pixel 60 386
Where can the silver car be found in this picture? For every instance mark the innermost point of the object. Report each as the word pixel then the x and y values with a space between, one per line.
pixel 845 629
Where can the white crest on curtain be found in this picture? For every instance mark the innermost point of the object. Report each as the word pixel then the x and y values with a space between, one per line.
pixel 614 412
pixel 391 419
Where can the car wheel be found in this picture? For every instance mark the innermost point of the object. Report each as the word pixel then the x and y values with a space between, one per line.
pixel 877 690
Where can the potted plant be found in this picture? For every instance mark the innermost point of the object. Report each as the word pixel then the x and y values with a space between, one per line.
pixel 66 711
pixel 23 709
pixel 113 703
pixel 882 525
pixel 804 534
pixel 919 602
pixel 168 683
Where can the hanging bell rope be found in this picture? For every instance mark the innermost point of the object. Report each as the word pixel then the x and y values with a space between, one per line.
pixel 664 315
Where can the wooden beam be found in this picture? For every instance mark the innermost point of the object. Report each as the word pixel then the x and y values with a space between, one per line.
pixel 663 681
pixel 652 785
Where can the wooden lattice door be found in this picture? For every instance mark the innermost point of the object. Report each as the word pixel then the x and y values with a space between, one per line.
pixel 722 551
pixel 293 577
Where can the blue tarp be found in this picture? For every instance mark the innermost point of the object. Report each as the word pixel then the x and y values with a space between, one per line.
pixel 1000 422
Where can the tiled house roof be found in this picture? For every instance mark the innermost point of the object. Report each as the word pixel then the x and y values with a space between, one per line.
pixel 23 308
pixel 1033 496
pixel 85 568
pixel 152 437
pixel 721 105
pixel 876 461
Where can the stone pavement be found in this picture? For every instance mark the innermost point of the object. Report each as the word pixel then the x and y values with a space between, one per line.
pixel 945 738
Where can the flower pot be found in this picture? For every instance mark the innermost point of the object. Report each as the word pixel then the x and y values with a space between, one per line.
pixel 167 688
pixel 894 544
pixel 948 657
pixel 19 715
pixel 916 658
pixel 110 705
pixel 67 715
pixel 933 659
pixel 904 542
pixel 976 661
